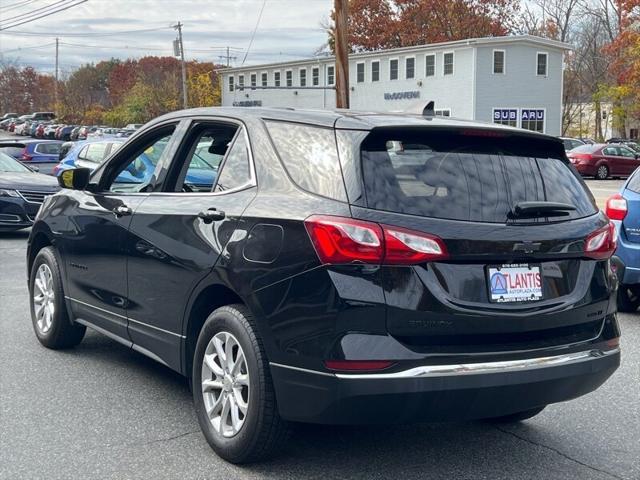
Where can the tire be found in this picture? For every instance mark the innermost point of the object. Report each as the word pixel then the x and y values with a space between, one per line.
pixel 602 173
pixel 52 327
pixel 518 416
pixel 628 298
pixel 261 431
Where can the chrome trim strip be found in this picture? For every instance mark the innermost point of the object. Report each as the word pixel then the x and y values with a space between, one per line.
pixel 97 308
pixel 486 367
pixel 125 318
pixel 326 374
pixel 156 328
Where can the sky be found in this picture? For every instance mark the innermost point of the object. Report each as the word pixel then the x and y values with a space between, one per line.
pixel 288 29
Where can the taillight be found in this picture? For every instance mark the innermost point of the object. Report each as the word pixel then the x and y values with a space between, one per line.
pixel 340 240
pixel 345 240
pixel 25 156
pixel 357 365
pixel 616 208
pixel 601 244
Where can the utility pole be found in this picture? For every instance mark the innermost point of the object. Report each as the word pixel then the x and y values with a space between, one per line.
pixel 178 27
pixel 341 9
pixel 55 96
pixel 227 57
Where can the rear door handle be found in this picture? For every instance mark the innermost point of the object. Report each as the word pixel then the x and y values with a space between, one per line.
pixel 211 215
pixel 122 211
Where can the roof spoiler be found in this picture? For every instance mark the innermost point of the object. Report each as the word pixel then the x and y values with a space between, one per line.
pixel 419 108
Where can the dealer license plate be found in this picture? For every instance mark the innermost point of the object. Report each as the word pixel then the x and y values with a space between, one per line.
pixel 515 283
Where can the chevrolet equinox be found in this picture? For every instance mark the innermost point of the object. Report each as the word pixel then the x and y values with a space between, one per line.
pixel 336 267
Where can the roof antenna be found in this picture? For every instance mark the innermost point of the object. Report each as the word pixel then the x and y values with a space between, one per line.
pixel 429 109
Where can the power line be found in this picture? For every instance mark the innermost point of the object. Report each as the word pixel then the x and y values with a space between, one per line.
pixel 26 14
pixel 17 5
pixel 33 19
pixel 255 29
pixel 92 34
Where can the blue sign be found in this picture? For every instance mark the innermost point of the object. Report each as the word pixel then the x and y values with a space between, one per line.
pixel 502 114
pixel 532 114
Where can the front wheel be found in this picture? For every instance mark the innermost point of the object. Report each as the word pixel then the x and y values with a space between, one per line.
pixel 51 322
pixel 232 389
pixel 628 298
pixel 602 172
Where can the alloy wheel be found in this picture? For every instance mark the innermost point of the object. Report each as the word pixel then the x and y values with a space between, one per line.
pixel 44 298
pixel 602 172
pixel 225 384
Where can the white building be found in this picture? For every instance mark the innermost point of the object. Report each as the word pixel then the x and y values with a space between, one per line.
pixel 515 80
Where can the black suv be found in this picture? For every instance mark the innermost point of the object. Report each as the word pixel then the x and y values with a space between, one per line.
pixel 338 268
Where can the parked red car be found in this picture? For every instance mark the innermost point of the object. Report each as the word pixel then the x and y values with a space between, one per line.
pixel 604 160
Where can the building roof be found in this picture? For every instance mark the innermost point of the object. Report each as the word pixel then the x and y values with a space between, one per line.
pixel 470 42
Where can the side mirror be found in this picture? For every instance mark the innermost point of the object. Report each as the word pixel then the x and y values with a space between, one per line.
pixel 75 178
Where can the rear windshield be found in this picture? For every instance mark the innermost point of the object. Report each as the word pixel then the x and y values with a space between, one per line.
pixel 464 176
pixel 13 151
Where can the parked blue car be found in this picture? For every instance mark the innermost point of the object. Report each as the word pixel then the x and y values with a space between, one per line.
pixel 42 154
pixel 623 209
pixel 91 153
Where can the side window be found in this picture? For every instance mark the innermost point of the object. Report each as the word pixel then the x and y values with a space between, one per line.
pixel 96 152
pixel 235 169
pixel 136 174
pixel 48 148
pixel 310 156
pixel 83 153
pixel 207 146
pixel 625 152
pixel 610 151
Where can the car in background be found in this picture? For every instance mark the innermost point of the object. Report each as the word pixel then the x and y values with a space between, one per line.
pixel 74 133
pixel 571 143
pixel 20 127
pixel 92 153
pixel 9 115
pixel 43 116
pixel 602 160
pixel 133 126
pixel 22 191
pixel 623 209
pixel 43 154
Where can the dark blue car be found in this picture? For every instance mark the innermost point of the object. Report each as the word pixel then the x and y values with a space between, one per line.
pixel 42 154
pixel 623 209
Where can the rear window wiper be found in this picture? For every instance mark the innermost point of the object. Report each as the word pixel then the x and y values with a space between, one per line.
pixel 540 209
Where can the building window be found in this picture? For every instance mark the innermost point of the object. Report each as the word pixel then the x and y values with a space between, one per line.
pixel 532 119
pixel 289 77
pixel 331 75
pixel 443 112
pixel 231 85
pixel 240 82
pixel 430 65
pixel 409 67
pixel 498 61
pixel 506 116
pixel 264 79
pixel 375 71
pixel 315 76
pixel 393 69
pixel 276 79
pixel 360 72
pixel 633 133
pixel 541 64
pixel 303 77
pixel 447 63
pixel 254 81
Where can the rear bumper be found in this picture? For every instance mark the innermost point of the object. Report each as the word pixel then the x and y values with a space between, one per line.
pixel 440 393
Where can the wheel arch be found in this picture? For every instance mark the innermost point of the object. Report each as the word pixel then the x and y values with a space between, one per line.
pixel 208 299
pixel 37 242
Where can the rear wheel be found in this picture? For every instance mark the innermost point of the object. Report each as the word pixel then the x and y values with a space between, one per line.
pixel 232 389
pixel 49 316
pixel 628 298
pixel 518 416
pixel 602 172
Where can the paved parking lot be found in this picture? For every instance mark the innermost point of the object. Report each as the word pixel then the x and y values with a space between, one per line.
pixel 103 411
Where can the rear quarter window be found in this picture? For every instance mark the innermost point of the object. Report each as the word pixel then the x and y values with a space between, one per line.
pixel 634 182
pixel 310 156
pixel 48 148
pixel 449 175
